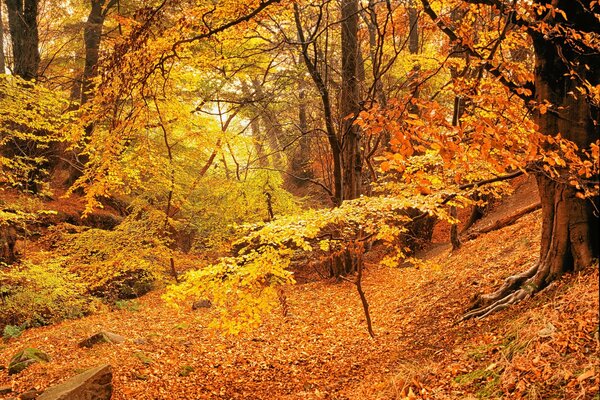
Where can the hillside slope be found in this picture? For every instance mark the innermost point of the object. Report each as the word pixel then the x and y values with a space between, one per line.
pixel 546 347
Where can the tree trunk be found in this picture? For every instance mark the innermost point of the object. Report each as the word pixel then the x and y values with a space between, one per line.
pixel 92 36
pixel 413 36
pixel 22 22
pixel 570 230
pixel 300 164
pixel 2 57
pixel 349 106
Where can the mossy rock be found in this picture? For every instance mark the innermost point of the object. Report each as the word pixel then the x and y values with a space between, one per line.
pixel 102 337
pixel 25 358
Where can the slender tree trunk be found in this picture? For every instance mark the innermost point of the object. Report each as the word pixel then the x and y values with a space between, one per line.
pixel 92 36
pixel 84 85
pixel 300 165
pixel 2 57
pixel 413 22
pixel 349 106
pixel 258 140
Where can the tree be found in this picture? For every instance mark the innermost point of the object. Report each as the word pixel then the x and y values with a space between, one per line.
pixel 564 98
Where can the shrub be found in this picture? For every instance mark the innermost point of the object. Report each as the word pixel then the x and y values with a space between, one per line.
pixel 35 294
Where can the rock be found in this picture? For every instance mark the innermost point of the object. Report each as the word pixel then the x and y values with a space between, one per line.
pixel 102 337
pixel 140 341
pixel 5 390
pixel 93 384
pixel 25 358
pixel 201 304
pixel 30 395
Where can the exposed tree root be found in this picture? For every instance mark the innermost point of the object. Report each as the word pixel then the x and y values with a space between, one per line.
pixel 515 288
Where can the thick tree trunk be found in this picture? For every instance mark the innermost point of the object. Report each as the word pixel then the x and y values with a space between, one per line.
pixel 349 101
pixel 570 229
pixel 22 22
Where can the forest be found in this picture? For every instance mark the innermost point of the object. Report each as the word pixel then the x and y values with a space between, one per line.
pixel 299 199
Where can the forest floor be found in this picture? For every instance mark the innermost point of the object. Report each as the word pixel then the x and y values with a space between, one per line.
pixel 543 348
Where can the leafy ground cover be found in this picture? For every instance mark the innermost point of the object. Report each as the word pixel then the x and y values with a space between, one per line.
pixel 545 347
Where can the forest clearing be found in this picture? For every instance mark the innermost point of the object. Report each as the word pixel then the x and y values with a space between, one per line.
pixel 299 199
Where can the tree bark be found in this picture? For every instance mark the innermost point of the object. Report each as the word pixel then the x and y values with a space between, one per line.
pixel 413 22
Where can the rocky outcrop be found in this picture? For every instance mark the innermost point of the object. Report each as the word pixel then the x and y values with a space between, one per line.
pixel 93 384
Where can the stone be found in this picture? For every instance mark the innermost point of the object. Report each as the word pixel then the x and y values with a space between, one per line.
pixel 25 358
pixel 30 395
pixel 201 304
pixel 140 341
pixel 102 337
pixel 5 390
pixel 93 384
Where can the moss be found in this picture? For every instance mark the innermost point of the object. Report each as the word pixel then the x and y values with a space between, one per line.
pixel 185 370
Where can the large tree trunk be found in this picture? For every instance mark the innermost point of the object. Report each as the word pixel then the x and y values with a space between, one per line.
pixel 349 101
pixel 570 230
pixel 22 21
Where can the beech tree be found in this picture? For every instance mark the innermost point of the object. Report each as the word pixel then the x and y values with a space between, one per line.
pixel 563 97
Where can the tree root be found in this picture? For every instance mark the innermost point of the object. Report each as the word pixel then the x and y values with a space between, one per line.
pixel 515 288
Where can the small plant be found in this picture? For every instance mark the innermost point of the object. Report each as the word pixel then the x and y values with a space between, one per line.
pixel 12 331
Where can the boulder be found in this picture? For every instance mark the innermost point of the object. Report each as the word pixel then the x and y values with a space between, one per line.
pixel 93 384
pixel 204 303
pixel 25 358
pixel 102 337
pixel 30 395
pixel 5 390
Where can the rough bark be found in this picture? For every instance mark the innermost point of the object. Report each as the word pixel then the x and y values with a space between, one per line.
pixel 570 229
